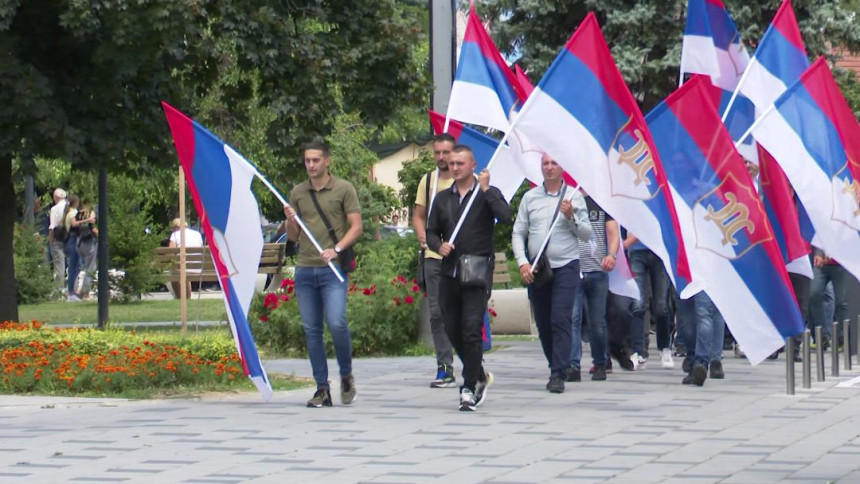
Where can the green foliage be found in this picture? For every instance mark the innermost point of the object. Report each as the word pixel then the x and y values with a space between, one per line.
pixel 849 84
pixel 502 232
pixel 130 244
pixel 382 317
pixel 410 176
pixel 34 282
pixel 390 255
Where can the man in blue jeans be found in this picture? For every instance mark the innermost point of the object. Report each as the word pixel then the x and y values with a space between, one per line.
pixel 651 277
pixel 319 292
pixel 552 302
pixel 703 329
pixel 596 260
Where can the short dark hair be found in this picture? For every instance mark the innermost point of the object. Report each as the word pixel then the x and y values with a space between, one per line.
pixel 463 149
pixel 444 138
pixel 317 144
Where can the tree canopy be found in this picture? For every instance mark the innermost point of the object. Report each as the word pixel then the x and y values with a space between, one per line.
pixel 83 79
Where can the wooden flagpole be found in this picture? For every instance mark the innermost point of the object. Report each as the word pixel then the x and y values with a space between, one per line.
pixel 183 277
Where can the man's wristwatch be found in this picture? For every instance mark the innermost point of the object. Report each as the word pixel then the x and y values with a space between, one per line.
pixel 336 250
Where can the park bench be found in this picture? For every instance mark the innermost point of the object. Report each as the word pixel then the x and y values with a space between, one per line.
pixel 199 266
pixel 501 273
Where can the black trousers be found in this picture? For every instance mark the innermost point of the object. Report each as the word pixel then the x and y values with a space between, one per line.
pixel 463 311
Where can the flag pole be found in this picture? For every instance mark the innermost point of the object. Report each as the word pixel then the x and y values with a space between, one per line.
pixel 737 89
pixel 754 125
pixel 183 276
pixel 298 220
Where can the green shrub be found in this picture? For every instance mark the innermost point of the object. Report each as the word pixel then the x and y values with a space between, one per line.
pixel 391 255
pixel 34 280
pixel 382 317
pixel 130 245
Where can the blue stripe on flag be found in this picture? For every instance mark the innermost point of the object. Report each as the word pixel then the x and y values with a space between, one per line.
pixel 813 127
pixel 212 176
pixel 474 68
pixel 589 103
pixel 780 57
pixel 249 355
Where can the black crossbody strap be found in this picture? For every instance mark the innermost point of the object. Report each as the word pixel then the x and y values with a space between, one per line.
pixel 323 217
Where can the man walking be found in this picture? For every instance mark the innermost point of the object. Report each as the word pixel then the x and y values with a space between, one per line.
pixel 464 302
pixel 56 238
pixel 329 208
pixel 597 259
pixel 552 302
pixel 430 185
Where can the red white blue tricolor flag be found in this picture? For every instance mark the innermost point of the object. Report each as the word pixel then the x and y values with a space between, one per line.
pixel 219 180
pixel 485 90
pixel 730 244
pixel 813 134
pixel 712 46
pixel 779 60
pixel 585 117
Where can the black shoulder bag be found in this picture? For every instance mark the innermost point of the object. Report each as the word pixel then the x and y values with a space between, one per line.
pixel 421 282
pixel 347 255
pixel 542 269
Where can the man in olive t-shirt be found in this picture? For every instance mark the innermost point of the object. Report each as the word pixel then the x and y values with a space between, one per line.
pixel 319 292
pixel 431 184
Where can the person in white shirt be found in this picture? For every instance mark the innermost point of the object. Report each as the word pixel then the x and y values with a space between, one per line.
pixel 192 239
pixel 55 244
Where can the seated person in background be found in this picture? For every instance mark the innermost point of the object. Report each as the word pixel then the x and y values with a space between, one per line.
pixel 192 239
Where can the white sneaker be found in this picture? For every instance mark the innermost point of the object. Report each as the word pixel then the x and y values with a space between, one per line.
pixel 667 361
pixel 638 361
pixel 74 298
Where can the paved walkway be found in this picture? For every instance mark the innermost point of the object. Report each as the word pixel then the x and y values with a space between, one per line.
pixel 636 427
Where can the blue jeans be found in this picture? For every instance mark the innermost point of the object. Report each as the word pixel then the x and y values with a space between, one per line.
pixel 836 275
pixel 593 291
pixel 320 296
pixel 71 250
pixel 651 278
pixel 553 310
pixel 703 329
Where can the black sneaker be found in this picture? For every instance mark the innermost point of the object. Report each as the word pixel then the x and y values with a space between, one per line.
pixel 599 373
pixel 482 386
pixel 717 372
pixel 697 376
pixel 555 384
pixel 623 359
pixel 573 375
pixel 467 400
pixel 322 398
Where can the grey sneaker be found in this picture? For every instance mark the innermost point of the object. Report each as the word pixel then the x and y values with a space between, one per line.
pixel 347 389
pixel 322 398
pixel 467 400
pixel 482 386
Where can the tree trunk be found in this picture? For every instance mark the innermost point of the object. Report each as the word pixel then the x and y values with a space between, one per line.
pixel 8 286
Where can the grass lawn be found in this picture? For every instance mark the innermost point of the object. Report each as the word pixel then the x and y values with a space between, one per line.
pixel 61 312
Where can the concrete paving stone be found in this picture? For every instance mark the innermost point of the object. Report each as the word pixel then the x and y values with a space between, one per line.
pixel 644 415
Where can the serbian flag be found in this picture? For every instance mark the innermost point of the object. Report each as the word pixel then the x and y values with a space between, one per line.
pixel 813 134
pixel 485 90
pixel 778 62
pixel 782 212
pixel 583 115
pixel 712 46
pixel 730 244
pixel 219 180
pixel 507 173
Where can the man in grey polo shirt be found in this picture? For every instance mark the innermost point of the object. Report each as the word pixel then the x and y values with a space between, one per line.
pixel 553 302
